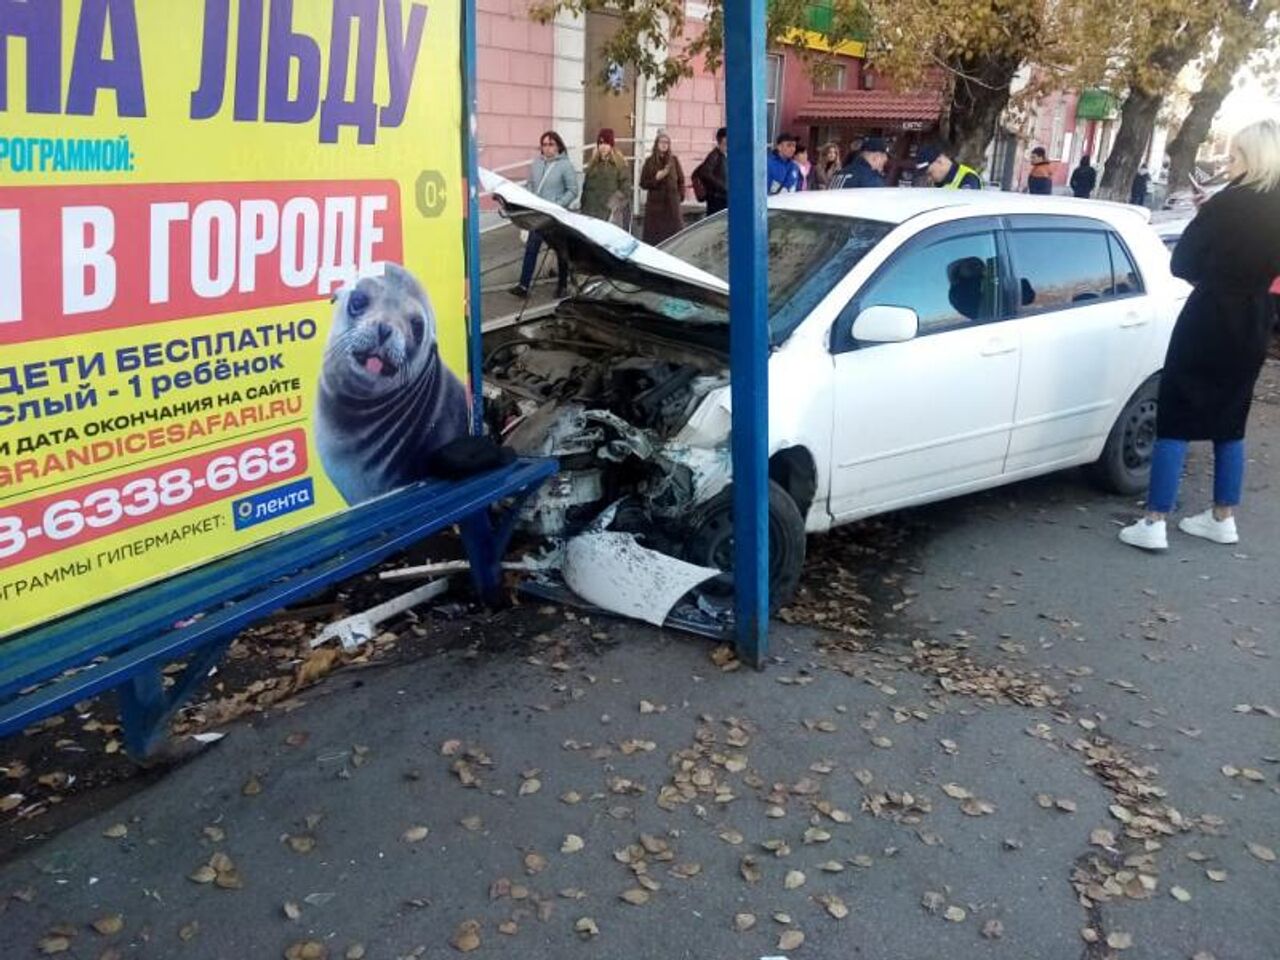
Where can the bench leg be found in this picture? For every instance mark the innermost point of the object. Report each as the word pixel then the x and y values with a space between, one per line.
pixel 485 555
pixel 142 712
pixel 146 707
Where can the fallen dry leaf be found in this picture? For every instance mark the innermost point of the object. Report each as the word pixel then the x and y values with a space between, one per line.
pixel 835 906
pixel 831 866
pixel 794 880
pixel 1265 854
pixel 733 837
pixel 1119 941
pixel 1179 894
pixel 306 950
pixel 790 940
pixel 55 944
pixel 571 798
pixel 783 918
pixel 816 835
pixel 1102 837
pixel 974 807
pixel 932 901
pixel 530 786
pixel 743 922
pixel 572 844
pixel 204 874
pixel 508 928
pixel 252 786
pixel 467 937
pixel 187 932
pixel 109 925
pixel 955 791
pixel 450 748
pixel 1217 876
pixel 292 910
pixel 534 863
pixel 586 928
pixel 1089 935
pixel 636 896
pixel 415 834
pixel 955 914
pixel 993 929
pixel 1066 806
pixel 116 831
pixel 302 843
pixel 686 871
pixel 749 869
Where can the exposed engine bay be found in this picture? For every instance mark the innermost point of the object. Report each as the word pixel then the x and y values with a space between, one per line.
pixel 631 416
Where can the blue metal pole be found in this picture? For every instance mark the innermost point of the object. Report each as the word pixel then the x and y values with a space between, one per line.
pixel 475 346
pixel 744 34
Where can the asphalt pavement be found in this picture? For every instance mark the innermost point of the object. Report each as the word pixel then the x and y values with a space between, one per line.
pixel 1047 745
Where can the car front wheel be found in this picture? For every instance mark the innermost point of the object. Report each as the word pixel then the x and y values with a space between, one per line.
pixel 1125 464
pixel 710 541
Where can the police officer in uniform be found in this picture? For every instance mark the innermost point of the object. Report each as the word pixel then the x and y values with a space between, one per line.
pixel 945 172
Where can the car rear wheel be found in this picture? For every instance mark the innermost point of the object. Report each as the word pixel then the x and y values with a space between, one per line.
pixel 1125 464
pixel 710 542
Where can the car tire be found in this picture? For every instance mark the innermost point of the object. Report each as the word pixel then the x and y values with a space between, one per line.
pixel 1125 464
pixel 710 542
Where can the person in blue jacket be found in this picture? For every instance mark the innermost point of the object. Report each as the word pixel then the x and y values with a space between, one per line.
pixel 784 173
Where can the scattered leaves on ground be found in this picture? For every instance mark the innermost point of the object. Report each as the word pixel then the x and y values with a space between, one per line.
pixel 790 940
pixel 743 922
pixel 1119 941
pixel 1265 854
pixel 572 844
pixel 109 925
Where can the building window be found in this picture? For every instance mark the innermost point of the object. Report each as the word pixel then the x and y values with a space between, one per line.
pixel 832 78
pixel 773 93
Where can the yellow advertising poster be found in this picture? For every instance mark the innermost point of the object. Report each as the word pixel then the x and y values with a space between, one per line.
pixel 232 277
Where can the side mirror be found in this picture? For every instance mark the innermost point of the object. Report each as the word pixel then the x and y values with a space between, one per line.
pixel 886 325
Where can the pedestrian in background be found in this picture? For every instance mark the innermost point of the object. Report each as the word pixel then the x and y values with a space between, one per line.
pixel 662 180
pixel 1141 183
pixel 1230 253
pixel 866 167
pixel 551 177
pixel 711 177
pixel 1084 179
pixel 606 187
pixel 783 176
pixel 827 167
pixel 804 166
pixel 1040 179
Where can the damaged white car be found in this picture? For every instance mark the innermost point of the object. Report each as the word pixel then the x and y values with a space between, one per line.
pixel 924 344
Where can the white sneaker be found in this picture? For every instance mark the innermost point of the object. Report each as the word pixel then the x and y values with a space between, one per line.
pixel 1146 535
pixel 1205 526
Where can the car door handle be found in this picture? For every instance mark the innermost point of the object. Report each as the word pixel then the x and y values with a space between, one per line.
pixel 1133 320
pixel 997 347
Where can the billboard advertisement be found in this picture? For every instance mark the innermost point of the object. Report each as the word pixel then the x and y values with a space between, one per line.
pixel 232 277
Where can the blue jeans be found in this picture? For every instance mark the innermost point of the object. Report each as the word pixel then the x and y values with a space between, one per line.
pixel 1166 472
pixel 531 250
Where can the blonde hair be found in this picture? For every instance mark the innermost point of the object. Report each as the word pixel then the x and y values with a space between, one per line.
pixel 1258 146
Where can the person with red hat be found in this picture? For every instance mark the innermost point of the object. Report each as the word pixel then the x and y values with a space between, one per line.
pixel 606 188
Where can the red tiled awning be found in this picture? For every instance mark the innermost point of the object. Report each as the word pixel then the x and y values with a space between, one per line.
pixel 872 106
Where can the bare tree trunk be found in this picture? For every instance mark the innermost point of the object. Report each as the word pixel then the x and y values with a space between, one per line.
pixel 1137 123
pixel 1195 129
pixel 980 96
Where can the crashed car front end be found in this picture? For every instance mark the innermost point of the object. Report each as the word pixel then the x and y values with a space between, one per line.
pixel 629 418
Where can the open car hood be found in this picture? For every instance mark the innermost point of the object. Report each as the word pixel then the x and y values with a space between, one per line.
pixel 596 248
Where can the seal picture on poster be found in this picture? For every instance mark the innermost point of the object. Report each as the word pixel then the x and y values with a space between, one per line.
pixel 385 401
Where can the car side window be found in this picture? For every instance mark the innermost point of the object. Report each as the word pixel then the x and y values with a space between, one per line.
pixel 949 283
pixel 1128 281
pixel 1060 269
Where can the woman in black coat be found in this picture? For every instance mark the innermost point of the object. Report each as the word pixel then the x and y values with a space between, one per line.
pixel 1230 253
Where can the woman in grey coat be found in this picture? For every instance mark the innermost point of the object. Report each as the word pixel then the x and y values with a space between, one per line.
pixel 551 177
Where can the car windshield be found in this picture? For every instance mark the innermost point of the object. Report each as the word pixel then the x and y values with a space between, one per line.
pixel 808 254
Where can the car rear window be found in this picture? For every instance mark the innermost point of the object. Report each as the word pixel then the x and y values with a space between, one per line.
pixel 1061 269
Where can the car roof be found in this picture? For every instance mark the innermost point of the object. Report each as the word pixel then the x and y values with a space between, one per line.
pixel 898 204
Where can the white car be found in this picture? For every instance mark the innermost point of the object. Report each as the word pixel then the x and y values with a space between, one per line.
pixel 925 344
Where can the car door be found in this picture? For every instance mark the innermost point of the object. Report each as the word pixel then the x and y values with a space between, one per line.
pixel 1083 322
pixel 931 416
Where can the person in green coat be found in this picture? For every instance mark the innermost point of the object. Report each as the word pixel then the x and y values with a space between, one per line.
pixel 606 188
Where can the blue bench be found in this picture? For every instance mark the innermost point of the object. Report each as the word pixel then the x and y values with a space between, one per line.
pixel 124 644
